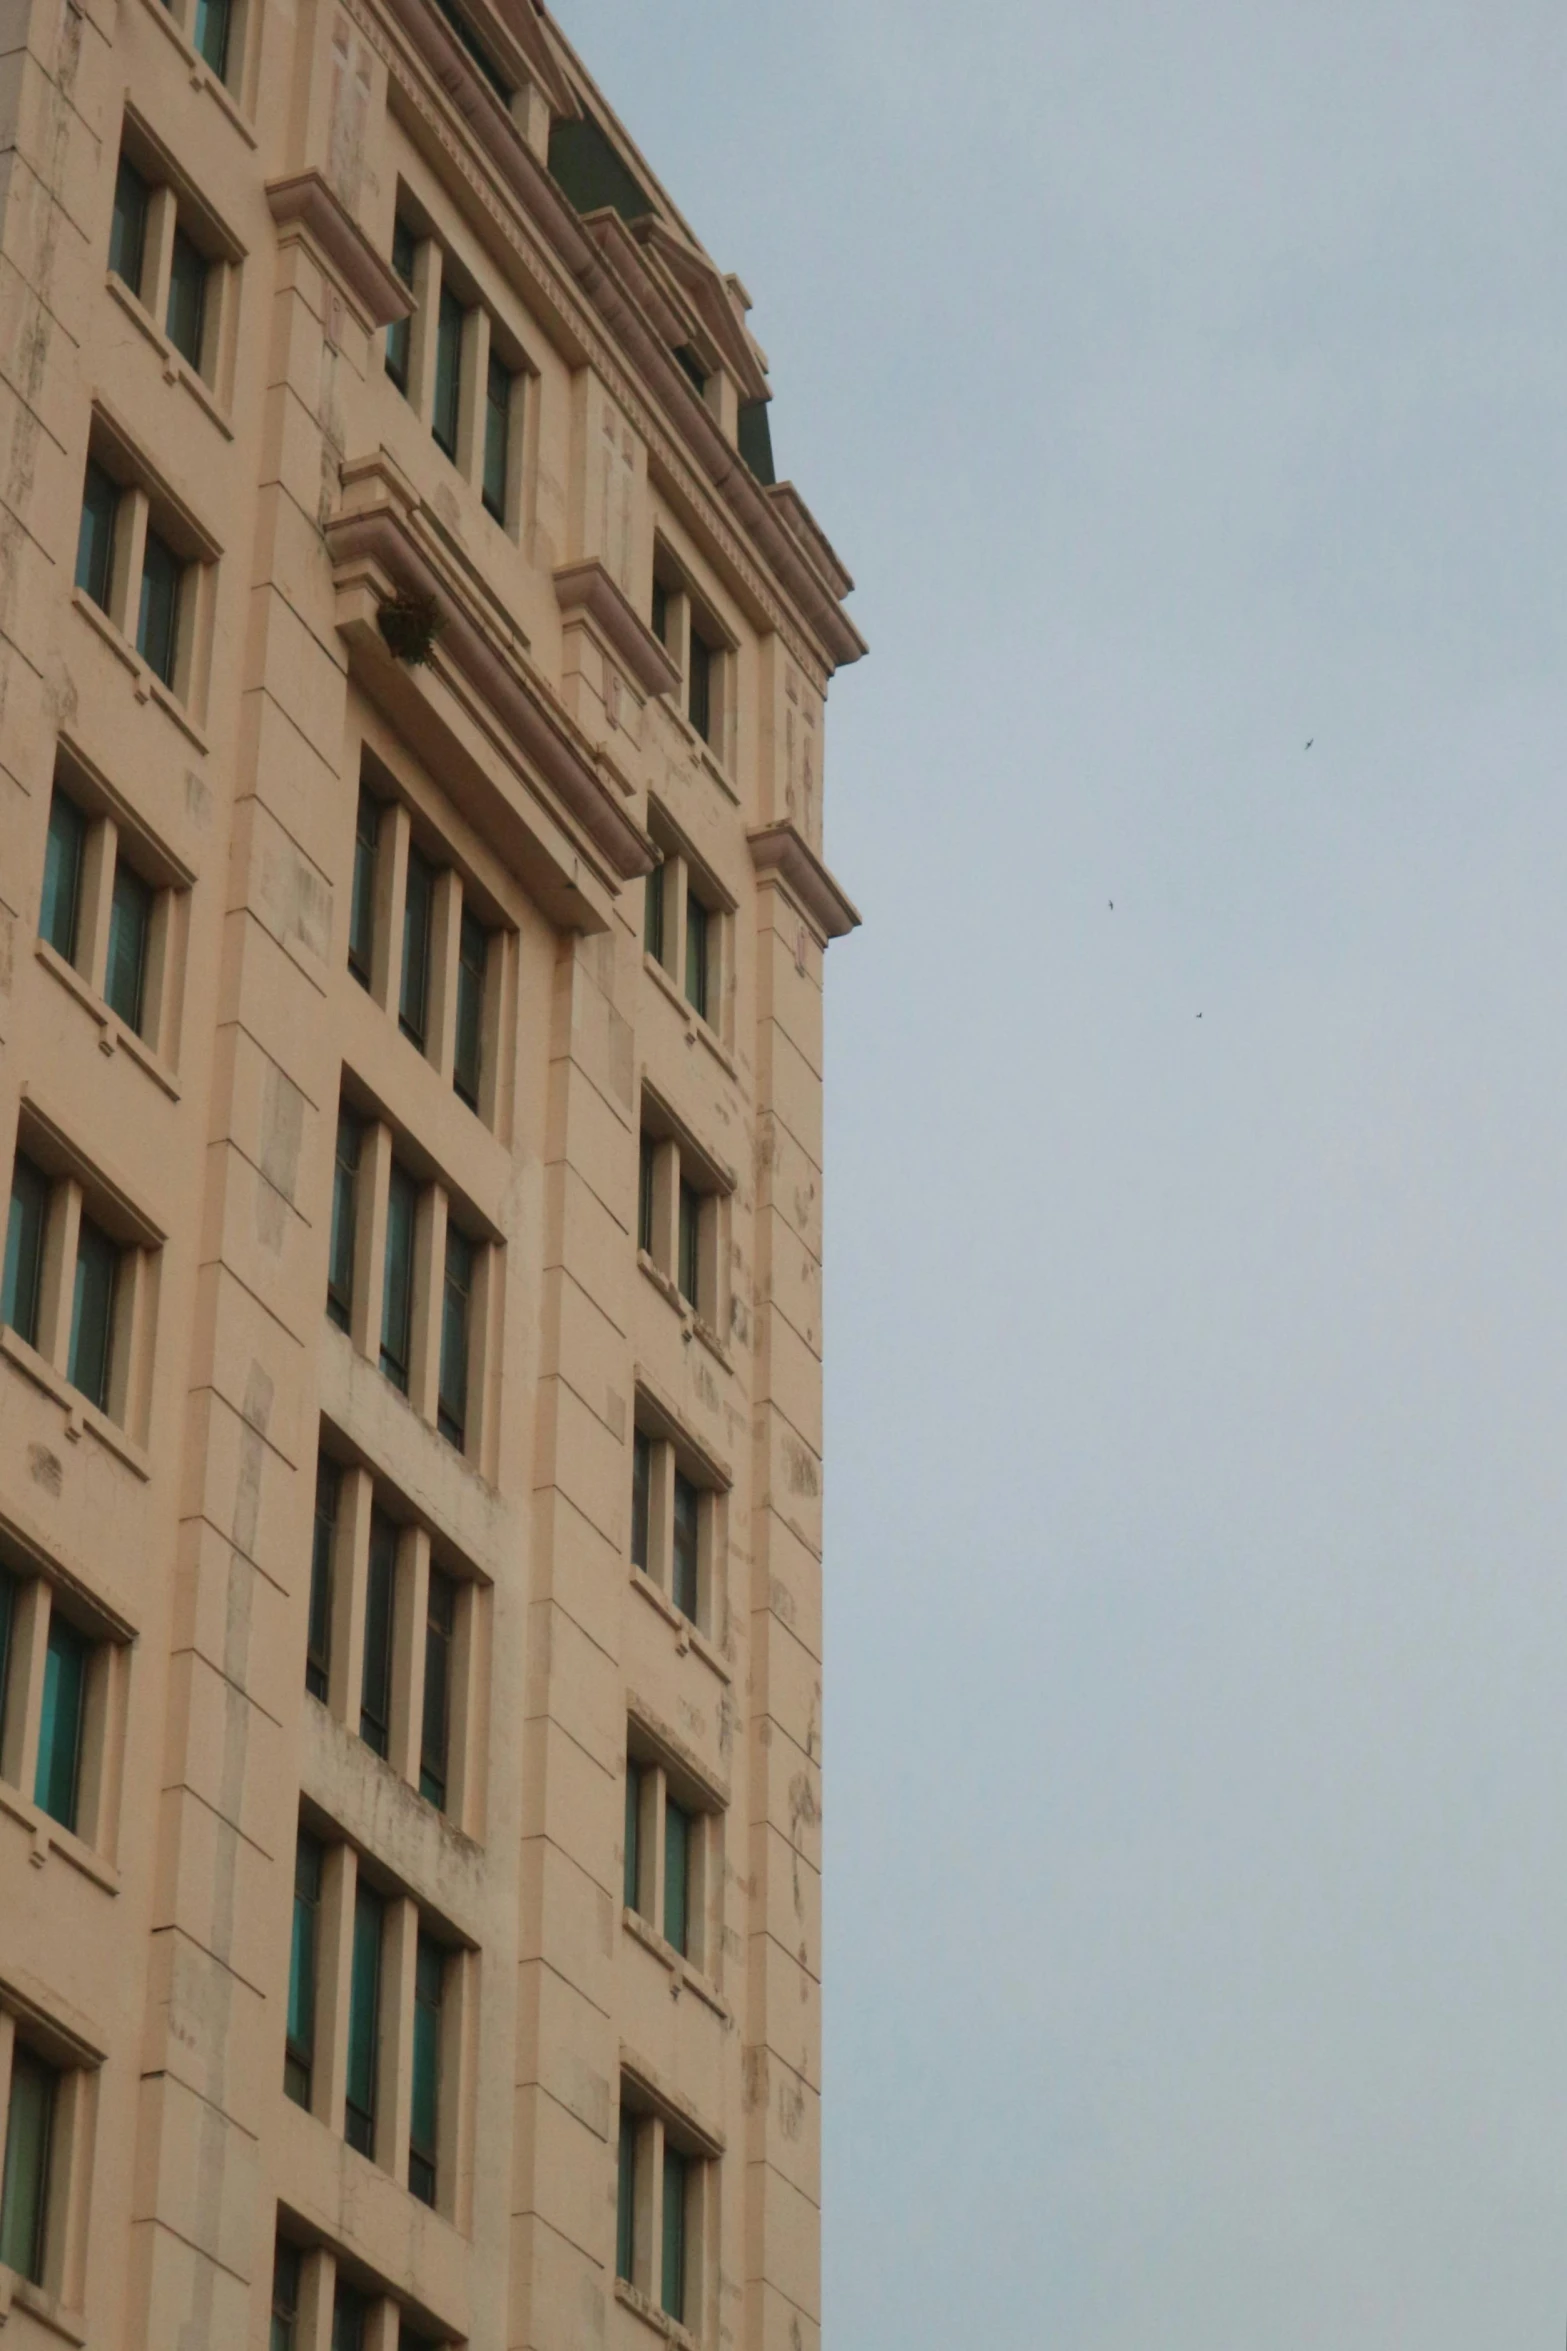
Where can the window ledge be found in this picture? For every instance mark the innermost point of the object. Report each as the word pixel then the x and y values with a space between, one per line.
pixel 176 368
pixel 683 1976
pixel 19 2293
pixel 633 2299
pixel 692 1323
pixel 696 1026
pixel 698 749
pixel 79 1414
pixel 115 1033
pixel 145 684
pixel 201 74
pixel 49 1837
pixel 687 1635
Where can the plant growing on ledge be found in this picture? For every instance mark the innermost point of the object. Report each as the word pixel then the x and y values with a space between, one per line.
pixel 410 623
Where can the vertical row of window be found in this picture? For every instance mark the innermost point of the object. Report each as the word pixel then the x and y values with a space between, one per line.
pixel 448 361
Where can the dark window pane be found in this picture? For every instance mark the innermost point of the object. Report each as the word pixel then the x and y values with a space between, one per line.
pixel 212 34
pixel 676 2169
pixel 397 1292
pixel 633 1874
pixel 285 2297
pixel 497 436
pixel 424 2111
pixel 7 1618
pixel 435 1733
pixel 448 373
pixel 375 1701
pixel 318 1640
pixel 688 1520
pixel 696 954
pixel 361 910
pixel 699 705
pixel 350 2317
pixel 477 51
pixel 130 927
pixel 95 540
pixel 398 334
pixel 653 914
pixel 24 1249
pixel 187 313
pixel 690 1244
pixel 158 628
pixel 678 1827
pixel 300 2047
pixel 24 2195
pixel 473 956
pixel 646 1168
pixel 695 372
pixel 626 2200
pixel 661 612
pixel 62 891
pixel 60 1733
pixel 345 1191
pixel 364 2022
pixel 456 1324
pixel 413 1005
pixel 128 225
pixel 641 1498
pixel 92 1314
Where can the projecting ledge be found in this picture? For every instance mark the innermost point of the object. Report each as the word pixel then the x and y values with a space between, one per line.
pixel 782 853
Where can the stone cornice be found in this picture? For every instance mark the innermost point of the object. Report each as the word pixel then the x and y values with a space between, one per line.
pixel 588 587
pixel 782 851
pixel 305 202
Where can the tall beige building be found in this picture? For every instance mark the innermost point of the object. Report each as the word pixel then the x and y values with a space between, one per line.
pixel 412 922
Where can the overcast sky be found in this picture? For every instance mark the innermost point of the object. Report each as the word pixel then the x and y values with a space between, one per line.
pixel 1182 382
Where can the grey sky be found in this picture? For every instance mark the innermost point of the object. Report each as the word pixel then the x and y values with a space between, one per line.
pixel 1181 382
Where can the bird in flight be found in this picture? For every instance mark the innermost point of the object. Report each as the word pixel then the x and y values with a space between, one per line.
pixel 1112 906
pixel 1309 741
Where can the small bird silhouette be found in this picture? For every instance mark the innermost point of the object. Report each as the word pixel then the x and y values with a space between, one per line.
pixel 1199 1016
pixel 1112 906
pixel 1309 741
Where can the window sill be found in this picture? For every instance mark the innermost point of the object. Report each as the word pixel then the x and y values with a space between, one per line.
pixel 49 1837
pixel 79 1414
pixel 19 2293
pixel 114 1031
pixel 697 1028
pixel 683 1976
pixel 147 687
pixel 692 1323
pixel 632 2298
pixel 700 750
pixel 201 74
pixel 176 368
pixel 687 1635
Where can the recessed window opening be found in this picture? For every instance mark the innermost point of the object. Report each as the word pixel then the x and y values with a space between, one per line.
pixel 24 2184
pixel 456 1333
pixel 345 1188
pixel 399 335
pixel 424 2113
pixel 447 409
pixel 364 2021
pixel 413 1007
pixel 435 1734
pixel 375 1704
pixel 361 914
pixel 473 956
pixel 397 1291
pixel 318 1639
pixel 497 436
pixel 299 2055
pixel 24 1248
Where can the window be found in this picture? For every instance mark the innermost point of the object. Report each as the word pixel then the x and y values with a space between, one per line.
pixel 699 684
pixel 128 224
pixel 456 1326
pixel 678 1827
pixel 397 1291
pixel 497 436
pixel 681 1215
pixel 87 851
pixel 696 954
pixel 477 51
pixel 660 613
pixel 473 957
pixel 671 1823
pixel 59 908
pixel 448 373
pixel 672 1514
pixel 647 1176
pixel 92 1313
pixel 661 2247
pixel 56 1783
pixel 75 1286
pixel 413 1005
pixel 375 1702
pixel 303 1960
pixel 143 560
pixel 653 914
pixel 318 1639
pixel 130 934
pixel 677 2170
pixel 435 1732
pixel 632 1894
pixel 285 2297
pixel 688 1274
pixel 345 1191
pixel 626 2247
pixel 210 33
pixel 684 922
pixel 24 2187
pixel 361 914
pixel 424 2110
pixel 186 317
pixel 24 1249
pixel 399 334
pixel 350 2319
pixel 95 539
pixel 165 247
pixel 684 1553
pixel 7 1619
pixel 157 629
pixel 641 1500
pixel 364 2021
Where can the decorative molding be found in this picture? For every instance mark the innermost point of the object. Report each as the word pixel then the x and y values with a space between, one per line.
pixel 306 202
pixel 588 588
pixel 781 851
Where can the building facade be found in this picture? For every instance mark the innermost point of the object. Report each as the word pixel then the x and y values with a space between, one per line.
pixel 412 923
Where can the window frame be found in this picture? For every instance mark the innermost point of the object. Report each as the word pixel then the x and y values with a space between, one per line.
pixel 115 856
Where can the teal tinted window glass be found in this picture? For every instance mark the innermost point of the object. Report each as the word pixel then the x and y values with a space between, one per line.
pixel 397 1290
pixel 473 956
pixel 318 1638
pixel 60 1732
pixel 24 2191
pixel 456 1326
pixel 211 31
pixel 59 906
pixel 641 1499
pixel 285 2297
pixel 361 908
pixel 413 1001
pixel 685 1580
pixel 95 539
pixel 448 373
pixel 186 318
pixel 632 1889
pixel 364 2022
pixel 626 2201
pixel 300 2047
pixel 477 51
pixel 345 1194
pixel 398 334
pixel 699 700
pixel 128 224
pixel 424 2110
pixel 678 1827
pixel 158 626
pixel 350 2319
pixel 24 1249
pixel 375 1701
pixel 130 929
pixel 497 436
pixel 676 2178
pixel 92 1313
pixel 7 1619
pixel 696 953
pixel 661 612
pixel 690 1243
pixel 653 914
pixel 435 1730
pixel 646 1169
